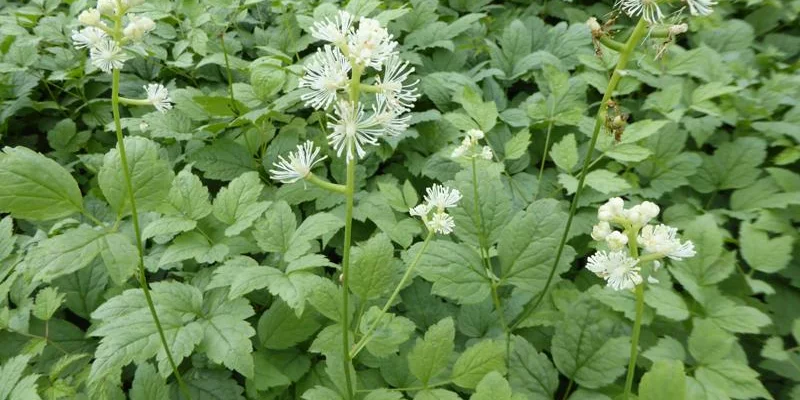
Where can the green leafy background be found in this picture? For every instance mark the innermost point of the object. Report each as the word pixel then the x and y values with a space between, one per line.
pixel 244 272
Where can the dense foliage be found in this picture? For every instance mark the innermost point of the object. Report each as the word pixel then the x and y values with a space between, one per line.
pixel 246 274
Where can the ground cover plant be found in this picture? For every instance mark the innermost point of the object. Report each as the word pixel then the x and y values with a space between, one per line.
pixel 384 200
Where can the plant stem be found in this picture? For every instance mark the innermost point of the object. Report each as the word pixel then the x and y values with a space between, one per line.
pixel 348 234
pixel 126 172
pixel 333 187
pixel 633 247
pixel 630 45
pixel 367 336
pixel 230 74
pixel 546 145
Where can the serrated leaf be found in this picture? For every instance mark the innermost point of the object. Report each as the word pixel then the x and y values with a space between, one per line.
pixel 484 113
pixel 454 269
pixel 431 354
pixel 667 303
pixel 319 224
pixel 193 245
pixel 188 196
pixel 664 381
pixel 477 361
pixel 242 275
pixel 237 204
pixel 66 253
pixel 531 372
pixel 13 385
pixel 494 387
pixel 273 232
pixel 494 204
pixel 120 257
pixel 605 181
pixel 736 380
pixel 708 343
pixel 517 146
pixel 36 187
pixel 148 385
pixel 761 252
pixel 734 165
pixel 373 271
pixel 642 129
pixel 226 338
pixel 48 300
pixel 151 176
pixel 565 153
pixel 223 160
pixel 391 332
pixel 280 327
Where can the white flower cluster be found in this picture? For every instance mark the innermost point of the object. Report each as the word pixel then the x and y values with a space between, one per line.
pixel 104 43
pixel 651 12
pixel 437 200
pixel 299 164
pixel 616 266
pixel 339 65
pixel 470 148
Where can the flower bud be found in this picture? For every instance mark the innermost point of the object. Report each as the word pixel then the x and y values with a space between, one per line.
pixel 601 230
pixel 137 27
pixel 594 26
pixel 611 210
pixel 678 29
pixel 107 7
pixel 616 240
pixel 90 17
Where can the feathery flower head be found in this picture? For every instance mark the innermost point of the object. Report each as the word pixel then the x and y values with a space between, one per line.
pixel 325 75
pixel 617 268
pixel 394 90
pixel 390 119
pixel 442 197
pixel 437 200
pixel 441 222
pixel 471 148
pixel 107 56
pixel 647 9
pixel 352 129
pixel 371 44
pixel 158 96
pixel 420 210
pixel 299 164
pixel 700 7
pixel 662 239
pixel 137 27
pixel 334 31
pixel 88 37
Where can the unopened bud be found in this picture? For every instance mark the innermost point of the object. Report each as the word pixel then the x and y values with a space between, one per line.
pixel 675 30
pixel 90 17
pixel 594 26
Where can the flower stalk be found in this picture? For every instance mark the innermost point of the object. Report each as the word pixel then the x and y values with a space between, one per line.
pixel 636 36
pixel 633 247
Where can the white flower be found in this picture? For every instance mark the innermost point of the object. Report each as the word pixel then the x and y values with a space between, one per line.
pixel 107 7
pixel 441 223
pixel 90 17
pixel 352 129
pixel 601 230
pixel 640 215
pixel 616 240
pixel 700 7
pixel 371 44
pixel 662 239
pixel 325 76
pixel 299 164
pixel 390 119
pixel 476 134
pixel 648 9
pixel 463 149
pixel 137 27
pixel 107 56
pixel 486 153
pixel 88 37
pixel 619 270
pixel 442 197
pixel 421 210
pixel 334 31
pixel 397 94
pixel 158 96
pixel 611 210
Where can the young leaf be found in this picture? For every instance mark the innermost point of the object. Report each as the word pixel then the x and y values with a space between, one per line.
pixel 664 381
pixel 237 204
pixel 484 113
pixel 517 146
pixel 48 300
pixel 431 354
pixel 36 187
pixel 565 153
pixel 188 196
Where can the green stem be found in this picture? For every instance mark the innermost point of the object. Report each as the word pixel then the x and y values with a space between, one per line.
pixel 230 74
pixel 333 187
pixel 633 247
pixel 126 172
pixel 624 56
pixel 368 335
pixel 348 234
pixel 546 144
pixel 611 43
pixel 134 102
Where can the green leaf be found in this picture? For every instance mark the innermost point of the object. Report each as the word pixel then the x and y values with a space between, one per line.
pixel 517 146
pixel 65 137
pixel 708 343
pixel 436 394
pixel 65 254
pixel 666 348
pixel 642 129
pixel 7 239
pixel 585 348
pixel 274 230
pixel 223 160
pixel 761 252
pixel 193 245
pixel 384 394
pixel 484 113
pixel 565 153
pixel 36 187
pixel 48 300
pixel 605 181
pixel 628 153
pixel 280 327
pixel 493 201
pixel 531 372
pixel 494 387
pixel 736 380
pixel 664 381
pixel 120 257
pixel 667 303
pixel 431 354
pixel 13 385
pixel 373 270
pixel 390 333
pixel 242 275
pixel 454 269
pixel 321 393
pixel 147 385
pixel 734 317
pixel 319 224
pixel 734 165
pixel 151 176
pixel 709 266
pixel 188 196
pixel 237 204
pixel 226 338
pixel 477 361
pixel 527 246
